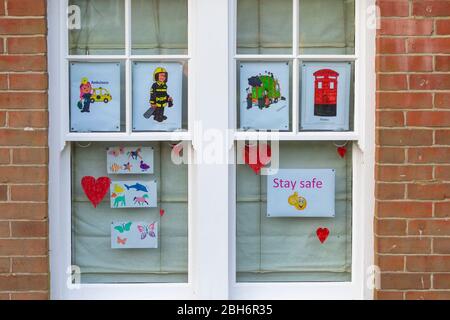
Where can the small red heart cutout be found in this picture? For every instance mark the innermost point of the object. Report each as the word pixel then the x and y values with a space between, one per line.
pixel 161 212
pixel 342 151
pixel 95 189
pixel 255 158
pixel 322 234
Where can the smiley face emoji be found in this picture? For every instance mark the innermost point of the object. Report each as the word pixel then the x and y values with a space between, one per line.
pixel 297 201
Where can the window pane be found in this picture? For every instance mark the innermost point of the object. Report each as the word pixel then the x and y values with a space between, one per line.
pixel 327 27
pixel 102 28
pixel 159 26
pixel 288 248
pixel 91 227
pixel 264 26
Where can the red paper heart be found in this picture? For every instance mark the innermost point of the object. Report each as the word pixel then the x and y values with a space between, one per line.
pixel 322 234
pixel 342 151
pixel 256 158
pixel 95 189
pixel 161 212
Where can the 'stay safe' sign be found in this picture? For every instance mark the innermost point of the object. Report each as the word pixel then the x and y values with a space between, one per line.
pixel 301 193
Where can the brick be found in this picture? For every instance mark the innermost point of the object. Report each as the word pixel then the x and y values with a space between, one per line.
pixel 3 80
pixel 4 156
pixel 23 282
pixel 404 173
pixel 3 193
pixel 26 7
pixel 30 265
pixel 442 209
pixel 406 27
pixel 23 100
pixel 392 82
pixel 442 100
pixel 427 263
pixel 429 227
pixel 30 156
pixel 429 155
pixel 23 138
pixel 428 118
pixel 404 209
pixel 394 8
pixel 29 192
pixel 442 137
pixel 2 119
pixel 429 81
pixel 428 295
pixel 401 137
pixel 29 229
pixel 26 45
pixel 31 119
pixel 431 8
pixel 2 8
pixel 23 247
pixel 442 63
pixel 430 191
pixel 391 45
pixel 398 245
pixel 441 245
pixel 23 63
pixel 390 155
pixel 402 100
pixel 14 174
pixel 390 262
pixel 32 211
pixel 28 81
pixel 4 229
pixel 390 118
pixel 388 295
pixel 22 26
pixel 405 281
pixel 390 227
pixel 428 45
pixel 405 63
pixel 443 27
pixel 5 265
pixel 389 191
pixel 442 172
pixel 29 296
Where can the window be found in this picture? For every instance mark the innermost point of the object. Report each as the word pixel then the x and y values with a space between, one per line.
pixel 155 106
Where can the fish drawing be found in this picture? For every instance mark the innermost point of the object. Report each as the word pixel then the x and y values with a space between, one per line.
pixel 144 166
pixel 137 187
pixel 115 167
pixel 118 188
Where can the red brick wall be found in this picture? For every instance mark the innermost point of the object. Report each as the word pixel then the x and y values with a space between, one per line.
pixel 412 228
pixel 23 150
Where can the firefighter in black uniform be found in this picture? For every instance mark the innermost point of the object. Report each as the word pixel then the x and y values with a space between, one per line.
pixel 159 98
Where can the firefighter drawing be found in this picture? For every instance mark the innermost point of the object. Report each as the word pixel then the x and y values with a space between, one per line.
pixel 159 98
pixel 263 91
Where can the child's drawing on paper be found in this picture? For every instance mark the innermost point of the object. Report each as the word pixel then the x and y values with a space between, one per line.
pixel 130 160
pixel 134 235
pixel 133 194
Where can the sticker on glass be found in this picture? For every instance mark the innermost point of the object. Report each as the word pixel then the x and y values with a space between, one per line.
pixel 134 235
pixel 133 194
pixel 130 160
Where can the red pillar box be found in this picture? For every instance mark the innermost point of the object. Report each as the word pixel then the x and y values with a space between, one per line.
pixel 325 92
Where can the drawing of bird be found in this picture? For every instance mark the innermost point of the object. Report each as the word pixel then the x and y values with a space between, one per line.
pixel 144 166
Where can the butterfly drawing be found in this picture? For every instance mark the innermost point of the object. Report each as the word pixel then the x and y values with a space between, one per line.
pixel 147 230
pixel 123 227
pixel 121 241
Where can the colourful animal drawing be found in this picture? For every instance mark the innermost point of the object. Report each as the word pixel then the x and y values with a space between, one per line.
pixel 141 200
pixel 147 230
pixel 120 201
pixel 137 187
pixel 118 188
pixel 124 227
pixel 115 167
pixel 135 154
pixel 115 152
pixel 127 167
pixel 144 166
pixel 122 241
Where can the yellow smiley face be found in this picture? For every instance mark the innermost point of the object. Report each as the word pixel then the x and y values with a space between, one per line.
pixel 297 201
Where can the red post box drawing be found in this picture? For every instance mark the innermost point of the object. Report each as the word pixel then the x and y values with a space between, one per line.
pixel 325 93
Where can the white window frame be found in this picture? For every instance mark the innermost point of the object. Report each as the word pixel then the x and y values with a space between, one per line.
pixel 212 220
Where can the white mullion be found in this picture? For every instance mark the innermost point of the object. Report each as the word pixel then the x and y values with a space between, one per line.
pixel 327 57
pixel 64 72
pixel 295 68
pixel 232 31
pixel 260 57
pixel 168 57
pixel 128 68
